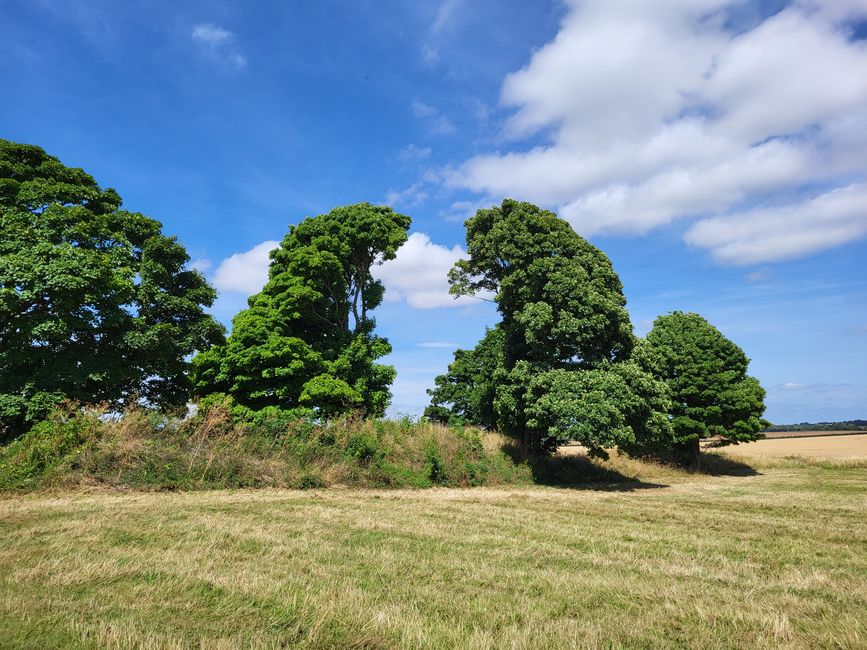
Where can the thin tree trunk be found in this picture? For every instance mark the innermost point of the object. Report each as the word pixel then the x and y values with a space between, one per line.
pixel 695 455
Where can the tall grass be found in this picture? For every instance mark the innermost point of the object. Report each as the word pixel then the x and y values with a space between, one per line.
pixel 146 449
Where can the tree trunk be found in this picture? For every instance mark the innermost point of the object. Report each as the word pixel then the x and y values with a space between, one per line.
pixel 695 455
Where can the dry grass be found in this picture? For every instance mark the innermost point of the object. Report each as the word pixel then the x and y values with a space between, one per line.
pixel 776 558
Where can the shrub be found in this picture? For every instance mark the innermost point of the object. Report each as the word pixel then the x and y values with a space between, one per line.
pixel 48 444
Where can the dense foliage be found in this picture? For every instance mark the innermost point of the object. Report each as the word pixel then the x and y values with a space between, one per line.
pixel 96 304
pixel 559 368
pixel 307 338
pixel 706 373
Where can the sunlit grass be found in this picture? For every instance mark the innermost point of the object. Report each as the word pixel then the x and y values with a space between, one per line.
pixel 775 558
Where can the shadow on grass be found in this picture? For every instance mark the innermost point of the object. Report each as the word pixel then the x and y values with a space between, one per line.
pixel 581 473
pixel 720 465
pixel 712 464
pixel 577 471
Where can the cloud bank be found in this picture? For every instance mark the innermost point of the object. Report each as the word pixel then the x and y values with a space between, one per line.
pixel 754 127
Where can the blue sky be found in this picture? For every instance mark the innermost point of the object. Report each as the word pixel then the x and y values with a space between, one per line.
pixel 713 149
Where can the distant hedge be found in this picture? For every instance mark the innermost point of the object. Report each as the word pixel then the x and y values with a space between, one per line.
pixel 849 425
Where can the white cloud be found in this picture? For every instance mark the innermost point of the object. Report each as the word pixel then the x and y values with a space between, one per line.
pixel 660 111
pixel 419 274
pixel 219 45
pixel 211 34
pixel 460 211
pixel 787 231
pixel 445 15
pixel 449 345
pixel 409 196
pixel 413 154
pixel 758 276
pixel 245 272
pixel 434 120
pixel 201 264
pixel 443 22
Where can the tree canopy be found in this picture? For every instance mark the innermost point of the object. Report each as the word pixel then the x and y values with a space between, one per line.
pixel 307 338
pixel 96 304
pixel 561 301
pixel 706 374
pixel 562 370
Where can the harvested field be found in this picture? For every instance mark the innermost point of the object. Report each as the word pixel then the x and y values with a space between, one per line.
pixel 823 446
pixel 669 560
pixel 809 434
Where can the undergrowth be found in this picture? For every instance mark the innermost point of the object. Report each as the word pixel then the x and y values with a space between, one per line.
pixel 146 449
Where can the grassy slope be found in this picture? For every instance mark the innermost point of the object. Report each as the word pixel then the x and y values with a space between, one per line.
pixel 777 558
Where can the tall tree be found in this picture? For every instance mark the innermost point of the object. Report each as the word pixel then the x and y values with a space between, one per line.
pixel 96 304
pixel 565 330
pixel 307 338
pixel 706 374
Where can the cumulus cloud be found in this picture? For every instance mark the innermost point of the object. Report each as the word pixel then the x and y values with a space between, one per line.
pixel 245 272
pixel 652 112
pixel 786 231
pixel 219 45
pixel 419 274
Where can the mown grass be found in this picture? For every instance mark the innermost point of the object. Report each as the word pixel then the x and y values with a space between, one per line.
pixel 775 557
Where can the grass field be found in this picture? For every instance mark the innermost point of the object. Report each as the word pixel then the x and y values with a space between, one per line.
pixel 774 556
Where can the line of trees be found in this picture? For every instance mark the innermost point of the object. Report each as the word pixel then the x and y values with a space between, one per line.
pixel 846 425
pixel 98 305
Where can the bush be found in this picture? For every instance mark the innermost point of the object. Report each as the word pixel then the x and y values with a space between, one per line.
pixel 28 460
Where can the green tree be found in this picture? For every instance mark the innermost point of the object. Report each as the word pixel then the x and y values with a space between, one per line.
pixel 466 392
pixel 561 302
pixel 566 334
pixel 96 304
pixel 307 338
pixel 706 374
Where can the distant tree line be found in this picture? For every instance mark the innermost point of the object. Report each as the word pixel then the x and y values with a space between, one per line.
pixel 848 425
pixel 98 305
